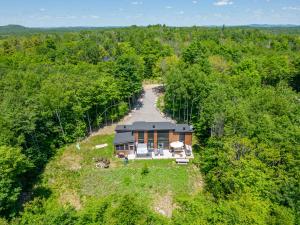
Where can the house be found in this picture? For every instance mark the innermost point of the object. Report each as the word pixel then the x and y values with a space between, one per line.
pixel 153 139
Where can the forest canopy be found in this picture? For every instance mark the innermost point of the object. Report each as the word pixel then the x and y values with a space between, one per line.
pixel 238 87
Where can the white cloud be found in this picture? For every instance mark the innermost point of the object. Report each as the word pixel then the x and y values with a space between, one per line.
pixel 137 3
pixel 195 2
pixel 223 2
pixel 38 17
pixel 94 17
pixel 217 15
pixel 291 8
pixel 71 17
pixel 168 7
pixel 84 17
pixel 42 9
pixel 181 12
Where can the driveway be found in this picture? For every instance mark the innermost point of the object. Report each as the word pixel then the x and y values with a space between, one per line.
pixel 146 109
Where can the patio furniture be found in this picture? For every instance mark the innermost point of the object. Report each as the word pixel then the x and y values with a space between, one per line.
pixel 121 155
pixel 141 150
pixel 173 154
pixel 182 161
pixel 161 152
pixel 188 150
pixel 177 146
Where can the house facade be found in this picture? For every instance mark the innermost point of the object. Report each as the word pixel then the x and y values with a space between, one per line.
pixel 151 136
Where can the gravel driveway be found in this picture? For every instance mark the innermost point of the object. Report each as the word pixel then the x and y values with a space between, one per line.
pixel 146 109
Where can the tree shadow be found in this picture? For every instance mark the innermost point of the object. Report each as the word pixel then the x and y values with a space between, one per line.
pixel 32 189
pixel 158 90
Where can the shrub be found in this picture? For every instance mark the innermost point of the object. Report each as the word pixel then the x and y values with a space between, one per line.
pixel 145 170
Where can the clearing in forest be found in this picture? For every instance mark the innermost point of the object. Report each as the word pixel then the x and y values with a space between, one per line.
pixel 72 177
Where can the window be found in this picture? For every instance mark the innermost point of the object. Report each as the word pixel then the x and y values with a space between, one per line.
pixel 120 147
pixel 181 137
pixel 163 139
pixel 141 137
pixel 151 135
pixel 150 140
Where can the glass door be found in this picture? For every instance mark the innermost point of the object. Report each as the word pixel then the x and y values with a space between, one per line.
pixel 150 144
pixel 163 139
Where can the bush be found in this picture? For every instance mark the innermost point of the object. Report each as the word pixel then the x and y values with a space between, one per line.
pixel 119 210
pixel 47 213
pixel 145 170
pixel 13 165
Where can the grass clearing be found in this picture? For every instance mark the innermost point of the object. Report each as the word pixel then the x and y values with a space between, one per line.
pixel 73 177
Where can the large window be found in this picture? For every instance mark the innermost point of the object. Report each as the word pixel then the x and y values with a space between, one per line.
pixel 181 137
pixel 150 139
pixel 163 139
pixel 120 147
pixel 141 137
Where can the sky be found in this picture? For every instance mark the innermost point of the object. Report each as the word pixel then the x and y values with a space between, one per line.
pixel 57 13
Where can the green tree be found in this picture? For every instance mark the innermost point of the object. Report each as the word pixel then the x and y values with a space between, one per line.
pixel 13 166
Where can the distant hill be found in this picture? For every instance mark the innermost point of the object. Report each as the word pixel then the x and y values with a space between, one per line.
pixel 18 29
pixel 14 29
pixel 273 25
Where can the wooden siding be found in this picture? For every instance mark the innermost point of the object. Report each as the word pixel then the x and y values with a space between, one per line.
pixel 145 137
pixel 155 139
pixel 188 138
pixel 173 136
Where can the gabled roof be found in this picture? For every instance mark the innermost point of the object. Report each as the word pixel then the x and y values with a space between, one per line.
pixel 150 126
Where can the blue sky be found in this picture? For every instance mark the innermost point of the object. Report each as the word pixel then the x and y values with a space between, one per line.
pixel 53 13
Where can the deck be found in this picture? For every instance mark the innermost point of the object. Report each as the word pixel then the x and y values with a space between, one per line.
pixel 166 155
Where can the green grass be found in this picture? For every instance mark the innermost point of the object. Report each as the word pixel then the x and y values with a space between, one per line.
pixel 72 175
pixel 162 178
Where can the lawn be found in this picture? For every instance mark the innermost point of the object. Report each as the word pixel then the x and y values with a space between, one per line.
pixel 72 176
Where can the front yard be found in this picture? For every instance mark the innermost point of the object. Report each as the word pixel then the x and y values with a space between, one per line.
pixel 72 176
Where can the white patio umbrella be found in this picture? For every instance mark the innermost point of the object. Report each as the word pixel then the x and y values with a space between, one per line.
pixel 176 144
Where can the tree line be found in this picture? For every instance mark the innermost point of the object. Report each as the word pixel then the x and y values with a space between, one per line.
pixel 240 93
pixel 238 87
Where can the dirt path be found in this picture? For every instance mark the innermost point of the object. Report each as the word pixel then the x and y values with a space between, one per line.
pixel 145 111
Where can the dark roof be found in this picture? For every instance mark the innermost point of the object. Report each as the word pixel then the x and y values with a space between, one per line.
pixel 140 125
pixel 183 128
pixel 123 138
pixel 153 126
pixel 123 128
